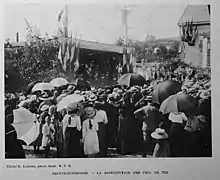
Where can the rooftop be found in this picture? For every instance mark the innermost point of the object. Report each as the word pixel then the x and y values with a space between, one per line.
pixel 198 13
pixel 85 45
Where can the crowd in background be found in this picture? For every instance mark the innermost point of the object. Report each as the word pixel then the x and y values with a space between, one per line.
pixel 120 117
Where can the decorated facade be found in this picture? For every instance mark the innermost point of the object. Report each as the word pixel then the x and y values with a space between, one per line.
pixel 194 26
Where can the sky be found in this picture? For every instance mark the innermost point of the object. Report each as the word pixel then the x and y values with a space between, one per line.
pixel 95 22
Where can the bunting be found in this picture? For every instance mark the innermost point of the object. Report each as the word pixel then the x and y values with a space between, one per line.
pixel 76 63
pixel 72 49
pixel 64 53
pixel 189 34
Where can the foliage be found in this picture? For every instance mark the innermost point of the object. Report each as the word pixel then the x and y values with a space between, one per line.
pixel 121 42
pixel 37 60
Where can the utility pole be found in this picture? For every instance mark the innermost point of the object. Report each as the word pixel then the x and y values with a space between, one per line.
pixel 125 23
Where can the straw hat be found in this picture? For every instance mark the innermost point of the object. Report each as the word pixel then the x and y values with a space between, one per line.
pixel 70 88
pixel 92 97
pixel 77 92
pixel 159 134
pixel 45 96
pixel 204 95
pixel 72 107
pixel 89 112
pixel 44 107
pixel 201 118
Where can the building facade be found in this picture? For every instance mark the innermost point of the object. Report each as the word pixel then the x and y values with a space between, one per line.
pixel 194 26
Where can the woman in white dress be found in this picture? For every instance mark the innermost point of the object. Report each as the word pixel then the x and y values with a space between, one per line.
pixel 90 136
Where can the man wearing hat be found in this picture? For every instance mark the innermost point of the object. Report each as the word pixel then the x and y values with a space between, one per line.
pixel 151 119
pixel 70 89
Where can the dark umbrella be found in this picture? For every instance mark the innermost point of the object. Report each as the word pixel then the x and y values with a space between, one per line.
pixel 164 90
pixel 132 79
pixel 81 83
pixel 179 102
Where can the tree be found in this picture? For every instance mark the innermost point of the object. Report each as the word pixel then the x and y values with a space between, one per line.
pixel 121 42
pixel 37 57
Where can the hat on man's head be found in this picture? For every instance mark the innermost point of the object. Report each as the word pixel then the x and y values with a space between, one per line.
pixel 44 107
pixel 45 96
pixel 92 98
pixel 159 134
pixel 70 88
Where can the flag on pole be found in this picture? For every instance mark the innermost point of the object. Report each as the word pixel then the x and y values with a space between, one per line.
pixel 64 52
pixel 76 64
pixel 72 48
pixel 124 55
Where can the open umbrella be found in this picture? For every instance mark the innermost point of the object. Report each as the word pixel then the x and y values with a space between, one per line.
pixel 57 82
pixel 25 124
pixel 30 86
pixel 179 102
pixel 164 90
pixel 81 83
pixel 66 101
pixel 132 79
pixel 42 87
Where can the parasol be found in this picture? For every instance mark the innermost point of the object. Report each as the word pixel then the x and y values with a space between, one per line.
pixel 42 87
pixel 179 102
pixel 57 82
pixel 131 79
pixel 66 101
pixel 164 90
pixel 26 125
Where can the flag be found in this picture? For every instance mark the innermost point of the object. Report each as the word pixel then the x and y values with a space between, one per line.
pixel 63 54
pixel 76 63
pixel 188 35
pixel 63 22
pixel 191 28
pixel 124 55
pixel 183 33
pixel 72 48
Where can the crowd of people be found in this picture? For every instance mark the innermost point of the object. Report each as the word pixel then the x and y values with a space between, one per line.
pixel 120 117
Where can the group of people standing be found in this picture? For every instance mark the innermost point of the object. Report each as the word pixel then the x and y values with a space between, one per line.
pixel 119 117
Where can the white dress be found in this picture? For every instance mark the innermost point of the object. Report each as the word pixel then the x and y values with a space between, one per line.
pixel 47 131
pixel 90 137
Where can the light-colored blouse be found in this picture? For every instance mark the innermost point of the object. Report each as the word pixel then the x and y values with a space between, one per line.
pixel 101 116
pixel 71 121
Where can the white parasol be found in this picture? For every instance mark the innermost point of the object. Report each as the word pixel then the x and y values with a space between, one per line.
pixel 26 125
pixel 66 101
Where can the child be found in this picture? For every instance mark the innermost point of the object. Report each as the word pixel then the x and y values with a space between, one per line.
pixel 48 132
pixel 162 148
